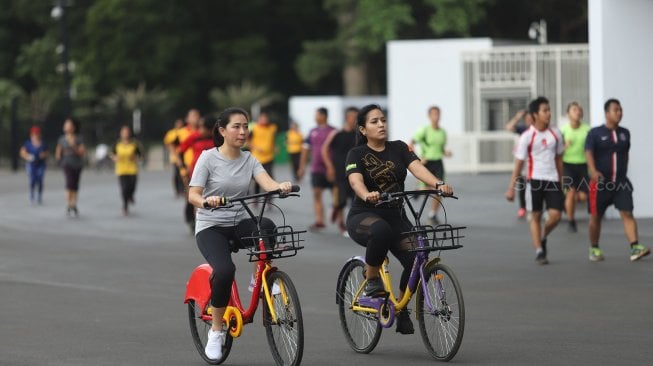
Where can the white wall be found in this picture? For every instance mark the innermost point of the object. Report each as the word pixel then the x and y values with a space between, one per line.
pixel 424 73
pixel 302 108
pixel 621 52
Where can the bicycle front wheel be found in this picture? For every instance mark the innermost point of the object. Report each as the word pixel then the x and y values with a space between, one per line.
pixel 286 335
pixel 441 324
pixel 199 330
pixel 362 329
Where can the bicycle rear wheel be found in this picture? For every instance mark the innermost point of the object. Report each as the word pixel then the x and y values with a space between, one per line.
pixel 286 335
pixel 199 330
pixel 443 325
pixel 362 329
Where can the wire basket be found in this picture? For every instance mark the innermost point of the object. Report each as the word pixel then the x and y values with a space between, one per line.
pixel 283 242
pixel 440 237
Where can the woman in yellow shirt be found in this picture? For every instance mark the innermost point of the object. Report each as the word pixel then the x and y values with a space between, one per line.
pixel 126 154
pixel 294 141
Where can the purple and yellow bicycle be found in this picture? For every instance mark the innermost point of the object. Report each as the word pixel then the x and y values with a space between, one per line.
pixel 440 309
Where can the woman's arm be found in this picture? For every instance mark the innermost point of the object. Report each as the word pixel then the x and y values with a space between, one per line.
pixel 57 152
pixel 268 184
pixel 420 172
pixel 24 154
pixel 358 186
pixel 195 196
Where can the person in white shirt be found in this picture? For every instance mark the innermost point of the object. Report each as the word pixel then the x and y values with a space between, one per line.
pixel 542 146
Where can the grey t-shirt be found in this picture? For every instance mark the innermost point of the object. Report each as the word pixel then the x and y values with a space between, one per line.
pixel 68 156
pixel 220 176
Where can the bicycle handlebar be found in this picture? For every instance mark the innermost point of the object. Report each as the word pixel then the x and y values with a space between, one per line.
pixel 224 201
pixel 394 196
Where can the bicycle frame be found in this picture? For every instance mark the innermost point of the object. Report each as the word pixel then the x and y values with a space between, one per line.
pixel 373 305
pixel 198 287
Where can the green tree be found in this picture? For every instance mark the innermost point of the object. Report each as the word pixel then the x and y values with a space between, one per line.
pixel 457 17
pixel 244 95
pixel 363 29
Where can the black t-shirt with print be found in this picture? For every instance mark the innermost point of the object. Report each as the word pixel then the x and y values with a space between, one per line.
pixel 383 171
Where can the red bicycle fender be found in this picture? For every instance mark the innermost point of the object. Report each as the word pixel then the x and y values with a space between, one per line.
pixel 198 287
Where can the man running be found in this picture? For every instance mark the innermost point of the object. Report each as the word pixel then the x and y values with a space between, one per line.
pixel 542 146
pixel 319 182
pixel 574 163
pixel 334 154
pixel 607 150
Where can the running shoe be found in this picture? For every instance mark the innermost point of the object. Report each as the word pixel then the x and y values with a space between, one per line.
pixel 541 258
pixel 572 226
pixel 404 324
pixel 213 349
pixel 316 227
pixel 596 254
pixel 638 251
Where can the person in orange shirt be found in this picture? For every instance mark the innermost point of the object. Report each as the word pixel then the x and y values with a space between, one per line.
pixel 294 142
pixel 171 141
pixel 262 143
pixel 186 159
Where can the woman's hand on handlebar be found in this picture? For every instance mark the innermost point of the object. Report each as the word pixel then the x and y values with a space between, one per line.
pixel 285 187
pixel 213 201
pixel 372 197
pixel 446 189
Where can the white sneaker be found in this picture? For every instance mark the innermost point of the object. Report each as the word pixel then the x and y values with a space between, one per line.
pixel 213 349
pixel 275 288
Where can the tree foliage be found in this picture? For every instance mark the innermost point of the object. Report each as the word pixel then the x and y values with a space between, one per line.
pixel 457 17
pixel 193 51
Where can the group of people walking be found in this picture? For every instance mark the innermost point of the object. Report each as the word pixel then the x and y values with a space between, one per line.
pixel 590 164
pixel 70 153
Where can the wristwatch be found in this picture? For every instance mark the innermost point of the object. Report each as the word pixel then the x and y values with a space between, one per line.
pixel 439 183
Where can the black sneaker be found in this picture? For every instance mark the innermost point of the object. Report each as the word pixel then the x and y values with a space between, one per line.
pixel 541 258
pixel 374 288
pixel 404 324
pixel 544 246
pixel 572 226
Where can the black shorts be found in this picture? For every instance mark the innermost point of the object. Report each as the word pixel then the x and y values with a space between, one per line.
pixel 540 191
pixel 436 168
pixel 603 194
pixel 575 176
pixel 319 180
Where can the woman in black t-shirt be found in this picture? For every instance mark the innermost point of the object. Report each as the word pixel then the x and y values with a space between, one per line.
pixel 374 166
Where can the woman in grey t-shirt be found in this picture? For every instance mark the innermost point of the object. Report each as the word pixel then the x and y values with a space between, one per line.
pixel 70 153
pixel 225 171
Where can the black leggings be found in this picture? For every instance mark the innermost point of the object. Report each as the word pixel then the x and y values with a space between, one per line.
pixel 127 188
pixel 214 244
pixel 381 233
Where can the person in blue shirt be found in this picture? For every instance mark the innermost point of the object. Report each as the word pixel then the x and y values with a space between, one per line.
pixel 606 149
pixel 34 152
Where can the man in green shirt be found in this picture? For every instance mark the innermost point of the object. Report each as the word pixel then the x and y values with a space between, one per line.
pixel 432 141
pixel 575 178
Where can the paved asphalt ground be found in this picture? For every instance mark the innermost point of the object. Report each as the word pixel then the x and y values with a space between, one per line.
pixel 107 290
